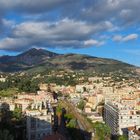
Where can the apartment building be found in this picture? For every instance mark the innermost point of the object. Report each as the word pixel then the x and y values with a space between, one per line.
pixel 119 117
pixel 38 124
pixel 38 112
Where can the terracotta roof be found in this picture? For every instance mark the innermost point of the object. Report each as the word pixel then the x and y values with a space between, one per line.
pixel 25 99
pixel 131 128
pixel 56 136
pixel 128 99
pixel 138 103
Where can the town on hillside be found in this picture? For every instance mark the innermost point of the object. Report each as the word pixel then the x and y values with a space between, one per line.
pixel 68 105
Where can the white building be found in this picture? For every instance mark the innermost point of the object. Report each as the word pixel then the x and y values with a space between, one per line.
pixel 2 79
pixel 38 111
pixel 38 124
pixel 79 88
pixel 119 117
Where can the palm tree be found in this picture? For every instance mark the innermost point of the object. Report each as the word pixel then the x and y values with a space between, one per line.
pixel 5 135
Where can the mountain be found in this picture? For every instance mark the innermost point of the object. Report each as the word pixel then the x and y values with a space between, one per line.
pixel 39 59
pixel 34 56
pixel 89 63
pixel 25 60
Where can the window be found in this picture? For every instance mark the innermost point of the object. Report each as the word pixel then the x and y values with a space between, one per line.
pixel 38 125
pixel 32 136
pixel 39 136
pixel 33 123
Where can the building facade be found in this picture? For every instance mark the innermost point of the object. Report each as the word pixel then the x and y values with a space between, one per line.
pixel 119 117
pixel 38 124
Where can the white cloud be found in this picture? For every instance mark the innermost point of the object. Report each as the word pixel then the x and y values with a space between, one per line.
pixel 122 12
pixel 92 42
pixel 130 37
pixel 13 43
pixel 65 23
pixel 63 33
pixel 125 38
pixel 117 38
pixel 8 23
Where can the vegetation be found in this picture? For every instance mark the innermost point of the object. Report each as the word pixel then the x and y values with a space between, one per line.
pixel 75 62
pixel 12 124
pixel 17 114
pixel 9 92
pixel 28 82
pixel 123 137
pixel 72 123
pixel 81 105
pixel 65 80
pixel 14 84
pixel 58 109
pixel 27 85
pixel 72 127
pixel 5 135
pixel 102 131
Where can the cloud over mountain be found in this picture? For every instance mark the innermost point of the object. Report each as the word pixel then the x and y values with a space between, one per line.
pixel 65 23
pixel 63 33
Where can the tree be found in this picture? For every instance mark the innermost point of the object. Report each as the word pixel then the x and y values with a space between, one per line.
pixel 17 113
pixel 5 135
pixel 5 113
pixel 72 123
pixel 81 105
pixel 102 131
pixel 27 85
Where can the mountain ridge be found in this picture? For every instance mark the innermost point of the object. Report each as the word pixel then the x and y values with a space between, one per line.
pixel 34 58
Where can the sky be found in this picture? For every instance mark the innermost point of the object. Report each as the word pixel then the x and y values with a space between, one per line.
pixel 102 28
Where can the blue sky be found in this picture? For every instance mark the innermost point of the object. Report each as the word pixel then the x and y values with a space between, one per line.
pixel 103 28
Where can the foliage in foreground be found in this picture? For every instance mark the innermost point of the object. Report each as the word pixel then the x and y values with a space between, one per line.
pixel 102 131
pixel 123 137
pixel 5 135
